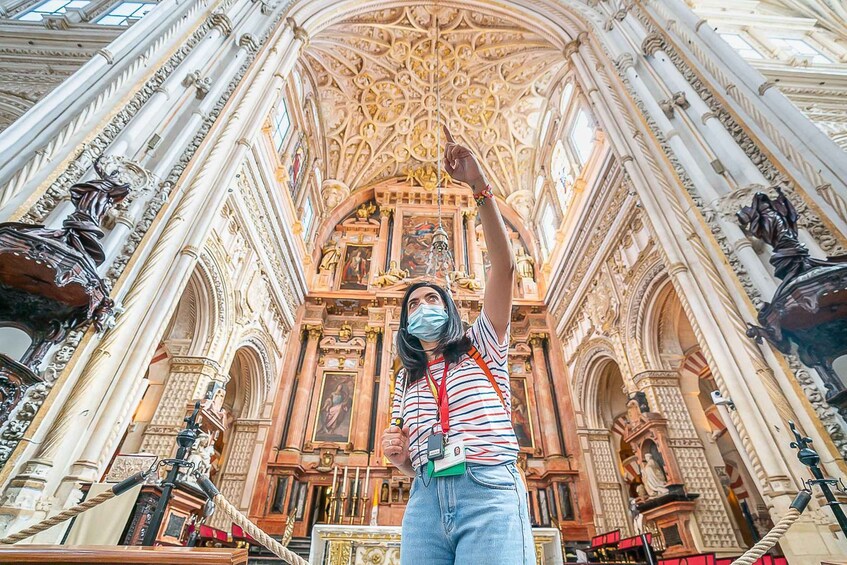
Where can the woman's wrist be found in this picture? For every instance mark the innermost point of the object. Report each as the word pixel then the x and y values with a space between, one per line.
pixel 479 184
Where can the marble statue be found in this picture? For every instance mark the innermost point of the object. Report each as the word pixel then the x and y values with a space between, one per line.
pixel 653 477
pixel 463 280
pixel 330 257
pixel 392 276
pixel 524 263
pixel 201 457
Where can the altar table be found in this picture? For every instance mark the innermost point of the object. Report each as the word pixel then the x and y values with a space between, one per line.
pixel 361 545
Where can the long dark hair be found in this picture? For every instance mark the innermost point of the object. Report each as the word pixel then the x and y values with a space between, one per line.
pixel 452 345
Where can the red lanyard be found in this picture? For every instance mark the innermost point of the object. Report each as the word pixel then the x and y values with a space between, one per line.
pixel 443 413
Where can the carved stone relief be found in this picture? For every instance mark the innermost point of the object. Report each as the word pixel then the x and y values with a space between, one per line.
pixel 377 76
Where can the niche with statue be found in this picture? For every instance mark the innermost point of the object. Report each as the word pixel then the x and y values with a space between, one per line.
pixel 661 497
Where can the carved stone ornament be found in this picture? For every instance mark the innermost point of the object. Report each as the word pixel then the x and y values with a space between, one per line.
pixel 376 74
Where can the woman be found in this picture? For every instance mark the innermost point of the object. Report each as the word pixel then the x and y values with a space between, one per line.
pixel 468 501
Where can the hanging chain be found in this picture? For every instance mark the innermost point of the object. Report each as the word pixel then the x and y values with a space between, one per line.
pixel 438 114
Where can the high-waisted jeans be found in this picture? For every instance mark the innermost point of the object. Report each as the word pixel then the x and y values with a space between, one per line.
pixel 477 518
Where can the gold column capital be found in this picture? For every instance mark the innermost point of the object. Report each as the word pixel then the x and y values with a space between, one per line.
pixel 315 330
pixel 371 333
pixel 386 211
pixel 537 339
pixel 470 213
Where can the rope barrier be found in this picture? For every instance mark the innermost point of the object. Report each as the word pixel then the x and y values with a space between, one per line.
pixel 766 543
pixel 256 533
pixel 116 490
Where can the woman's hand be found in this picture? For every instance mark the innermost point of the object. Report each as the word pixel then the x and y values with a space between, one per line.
pixel 461 164
pixel 395 446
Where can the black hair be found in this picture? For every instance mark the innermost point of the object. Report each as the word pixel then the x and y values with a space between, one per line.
pixel 453 345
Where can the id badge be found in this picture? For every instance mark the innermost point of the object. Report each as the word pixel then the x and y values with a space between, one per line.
pixel 435 446
pixel 453 461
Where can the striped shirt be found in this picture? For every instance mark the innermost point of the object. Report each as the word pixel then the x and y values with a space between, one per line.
pixel 476 413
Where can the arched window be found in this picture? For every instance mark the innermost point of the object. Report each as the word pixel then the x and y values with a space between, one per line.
pixel 280 124
pixel 582 136
pixel 560 167
pixel 548 224
pixel 308 216
pixel 567 94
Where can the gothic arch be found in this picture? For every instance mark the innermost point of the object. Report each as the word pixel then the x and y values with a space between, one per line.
pixel 652 277
pixel 195 320
pixel 218 302
pixel 588 374
pixel 250 376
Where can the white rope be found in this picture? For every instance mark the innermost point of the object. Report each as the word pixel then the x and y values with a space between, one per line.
pixel 767 542
pixel 253 530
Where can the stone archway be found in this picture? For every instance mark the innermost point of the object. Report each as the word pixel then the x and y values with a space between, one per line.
pixel 246 424
pixel 602 377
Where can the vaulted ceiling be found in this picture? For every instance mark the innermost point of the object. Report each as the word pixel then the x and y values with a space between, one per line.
pixel 377 75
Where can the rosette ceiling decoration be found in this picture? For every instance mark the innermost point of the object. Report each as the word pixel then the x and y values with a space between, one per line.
pixel 376 75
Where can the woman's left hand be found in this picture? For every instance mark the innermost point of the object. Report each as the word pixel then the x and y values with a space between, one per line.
pixel 461 164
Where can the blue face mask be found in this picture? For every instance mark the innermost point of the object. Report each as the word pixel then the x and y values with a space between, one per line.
pixel 428 322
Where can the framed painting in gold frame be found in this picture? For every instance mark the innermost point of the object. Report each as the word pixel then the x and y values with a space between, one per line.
pixel 521 415
pixel 335 408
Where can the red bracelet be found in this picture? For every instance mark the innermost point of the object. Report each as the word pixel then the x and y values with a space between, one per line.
pixel 479 197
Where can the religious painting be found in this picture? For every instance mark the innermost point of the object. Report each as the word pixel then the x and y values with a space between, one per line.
pixel 416 241
pixel 335 408
pixel 521 421
pixel 356 268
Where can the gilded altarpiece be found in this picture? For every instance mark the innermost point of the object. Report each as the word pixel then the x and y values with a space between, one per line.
pixel 334 399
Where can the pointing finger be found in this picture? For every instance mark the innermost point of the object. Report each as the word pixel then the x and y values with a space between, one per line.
pixel 448 135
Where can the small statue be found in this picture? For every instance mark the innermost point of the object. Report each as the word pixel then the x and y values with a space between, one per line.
pixel 775 223
pixel 524 263
pixel 330 257
pixel 81 230
pixel 640 397
pixel 463 280
pixel 345 332
pixel 392 276
pixel 653 477
pixel 365 211
pixel 201 456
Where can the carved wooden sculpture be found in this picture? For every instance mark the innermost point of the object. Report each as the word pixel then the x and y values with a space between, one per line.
pixel 809 308
pixel 49 284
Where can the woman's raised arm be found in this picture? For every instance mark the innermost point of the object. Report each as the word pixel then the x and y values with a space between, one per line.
pixel 462 165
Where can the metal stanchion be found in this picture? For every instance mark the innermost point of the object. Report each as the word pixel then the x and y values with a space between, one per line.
pixel 185 439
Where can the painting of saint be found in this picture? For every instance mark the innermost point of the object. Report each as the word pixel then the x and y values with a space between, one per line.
pixel 416 241
pixel 357 267
pixel 520 414
pixel 334 410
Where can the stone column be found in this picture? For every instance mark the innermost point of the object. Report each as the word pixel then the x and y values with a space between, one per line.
pixel 243 455
pixel 611 510
pixel 305 389
pixel 544 396
pixel 189 376
pixel 713 528
pixel 362 409
pixel 382 251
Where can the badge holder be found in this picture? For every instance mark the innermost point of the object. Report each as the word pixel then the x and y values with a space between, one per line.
pixel 451 461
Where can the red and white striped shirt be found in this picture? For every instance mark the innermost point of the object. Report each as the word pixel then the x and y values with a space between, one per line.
pixel 476 414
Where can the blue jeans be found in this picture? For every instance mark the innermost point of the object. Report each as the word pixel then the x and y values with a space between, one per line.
pixel 477 518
